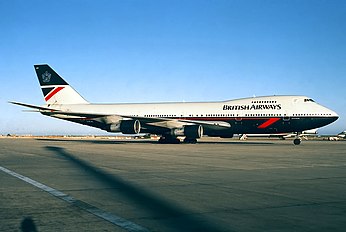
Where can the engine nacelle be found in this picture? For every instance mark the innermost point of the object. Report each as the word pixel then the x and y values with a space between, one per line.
pixel 125 127
pixel 130 126
pixel 193 131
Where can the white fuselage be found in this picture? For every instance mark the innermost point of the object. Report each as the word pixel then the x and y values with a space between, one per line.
pixel 271 106
pixel 258 115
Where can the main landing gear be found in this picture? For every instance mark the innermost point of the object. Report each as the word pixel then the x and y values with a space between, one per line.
pixel 169 140
pixel 175 140
pixel 297 140
pixel 190 140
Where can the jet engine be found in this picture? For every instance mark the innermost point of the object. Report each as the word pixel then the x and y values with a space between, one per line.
pixel 191 131
pixel 125 127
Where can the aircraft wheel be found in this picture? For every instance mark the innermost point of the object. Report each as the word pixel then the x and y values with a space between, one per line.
pixel 190 140
pixel 169 140
pixel 162 140
pixel 296 141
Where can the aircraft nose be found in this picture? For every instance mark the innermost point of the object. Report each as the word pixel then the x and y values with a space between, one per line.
pixel 333 115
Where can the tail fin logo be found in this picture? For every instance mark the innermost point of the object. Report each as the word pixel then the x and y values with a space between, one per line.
pixel 46 77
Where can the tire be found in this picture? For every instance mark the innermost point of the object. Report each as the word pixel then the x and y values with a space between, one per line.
pixel 296 141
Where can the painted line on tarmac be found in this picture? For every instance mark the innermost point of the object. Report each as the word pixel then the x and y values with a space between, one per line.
pixel 116 220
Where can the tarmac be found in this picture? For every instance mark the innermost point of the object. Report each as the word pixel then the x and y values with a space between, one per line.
pixel 78 184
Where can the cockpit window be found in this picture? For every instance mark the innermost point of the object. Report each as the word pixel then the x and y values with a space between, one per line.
pixel 308 100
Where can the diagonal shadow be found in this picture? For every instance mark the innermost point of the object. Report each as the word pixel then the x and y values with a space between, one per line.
pixel 175 218
pixel 92 141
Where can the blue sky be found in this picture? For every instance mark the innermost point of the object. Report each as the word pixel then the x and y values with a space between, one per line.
pixel 155 51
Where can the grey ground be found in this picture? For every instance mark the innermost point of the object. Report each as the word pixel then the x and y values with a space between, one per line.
pixel 216 185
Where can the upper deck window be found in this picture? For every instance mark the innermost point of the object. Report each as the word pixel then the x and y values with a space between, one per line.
pixel 308 100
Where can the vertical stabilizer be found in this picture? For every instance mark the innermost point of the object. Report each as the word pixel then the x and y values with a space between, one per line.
pixel 55 89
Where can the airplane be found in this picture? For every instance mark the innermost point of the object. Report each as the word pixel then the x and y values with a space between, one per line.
pixel 254 115
pixel 342 135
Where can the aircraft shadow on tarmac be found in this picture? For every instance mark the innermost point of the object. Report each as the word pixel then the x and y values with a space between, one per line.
pixel 92 141
pixel 174 218
pixel 100 141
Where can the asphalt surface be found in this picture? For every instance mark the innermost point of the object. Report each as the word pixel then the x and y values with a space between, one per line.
pixel 140 185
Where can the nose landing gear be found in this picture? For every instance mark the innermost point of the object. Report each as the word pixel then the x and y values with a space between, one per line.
pixel 297 140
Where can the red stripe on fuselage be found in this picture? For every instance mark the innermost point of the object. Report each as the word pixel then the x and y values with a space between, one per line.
pixel 268 123
pixel 51 94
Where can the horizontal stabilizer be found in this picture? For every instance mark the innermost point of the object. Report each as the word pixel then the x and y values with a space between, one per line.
pixel 32 106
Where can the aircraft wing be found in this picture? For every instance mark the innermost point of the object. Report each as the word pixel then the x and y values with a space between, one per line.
pixel 168 123
pixel 151 121
pixel 179 123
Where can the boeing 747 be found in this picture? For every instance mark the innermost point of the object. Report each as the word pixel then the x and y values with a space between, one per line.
pixel 255 115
